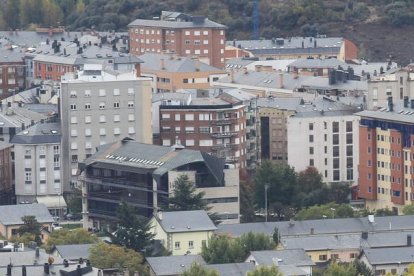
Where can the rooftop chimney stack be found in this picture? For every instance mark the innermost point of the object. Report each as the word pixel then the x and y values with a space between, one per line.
pixel 405 101
pixel 280 80
pixel 409 240
pixel 24 273
pixel 37 253
pixel 390 104
pixel 46 268
pixel 412 103
pixel 9 270
pixel 162 64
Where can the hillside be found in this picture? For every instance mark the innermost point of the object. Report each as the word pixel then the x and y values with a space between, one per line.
pixel 380 27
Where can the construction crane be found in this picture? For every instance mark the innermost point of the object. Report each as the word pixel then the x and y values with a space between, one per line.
pixel 256 20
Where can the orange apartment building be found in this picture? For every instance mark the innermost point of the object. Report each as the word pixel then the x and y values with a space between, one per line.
pixel 171 73
pixel 181 34
pixel 12 73
pixel 386 165
pixel 206 124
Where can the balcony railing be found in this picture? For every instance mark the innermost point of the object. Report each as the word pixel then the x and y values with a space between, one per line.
pixel 225 146
pixel 224 121
pixel 224 134
pixel 113 198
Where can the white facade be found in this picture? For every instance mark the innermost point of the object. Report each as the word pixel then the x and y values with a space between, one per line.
pixel 328 143
pixel 99 108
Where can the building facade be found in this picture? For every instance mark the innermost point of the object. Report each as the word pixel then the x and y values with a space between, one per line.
pixel 12 73
pixel 324 134
pixel 100 107
pixel 38 166
pixel 181 34
pixel 143 175
pixel 6 174
pixel 207 124
pixel 386 159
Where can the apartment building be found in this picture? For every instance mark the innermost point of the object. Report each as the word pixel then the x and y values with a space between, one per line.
pixel 396 83
pixel 207 124
pixel 181 34
pixel 6 174
pixel 324 134
pixel 12 72
pixel 100 106
pixel 143 175
pixel 38 167
pixel 273 114
pixel 170 73
pixel 386 171
pixel 295 48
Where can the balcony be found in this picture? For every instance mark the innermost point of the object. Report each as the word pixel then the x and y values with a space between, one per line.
pixel 117 197
pixel 225 146
pixel 224 134
pixel 224 121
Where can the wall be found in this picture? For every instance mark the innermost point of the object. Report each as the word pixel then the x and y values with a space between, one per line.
pixel 185 237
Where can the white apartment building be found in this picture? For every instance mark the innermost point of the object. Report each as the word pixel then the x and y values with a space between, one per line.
pixel 37 153
pixel 100 106
pixel 324 134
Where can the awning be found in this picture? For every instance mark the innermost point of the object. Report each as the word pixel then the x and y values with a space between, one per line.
pixel 52 202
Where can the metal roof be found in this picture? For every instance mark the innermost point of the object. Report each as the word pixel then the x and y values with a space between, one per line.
pixel 318 63
pixel 12 56
pixel 296 257
pixel 176 24
pixel 173 265
pixel 395 255
pixel 74 251
pixel 12 214
pixel 185 221
pixel 232 269
pixel 41 133
pixel 279 103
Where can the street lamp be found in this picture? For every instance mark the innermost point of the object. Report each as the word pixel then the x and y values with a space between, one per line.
pixel 266 188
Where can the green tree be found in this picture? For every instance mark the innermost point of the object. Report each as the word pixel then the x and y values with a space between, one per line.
pixel 247 210
pixel 265 271
pixel 385 212
pixel 75 202
pixel 31 226
pixel 276 236
pixel 255 242
pixel 410 270
pixel 12 14
pixel 362 268
pixel 133 231
pixel 282 183
pixel 408 209
pixel 311 189
pixel 52 14
pixel 337 269
pixel 104 256
pixel 65 236
pixel 223 249
pixel 330 210
pixel 198 270
pixel 185 196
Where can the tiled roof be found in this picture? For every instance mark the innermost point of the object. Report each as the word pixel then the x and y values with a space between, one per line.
pixel 74 251
pixel 173 265
pixel 12 214
pixel 41 133
pixel 296 257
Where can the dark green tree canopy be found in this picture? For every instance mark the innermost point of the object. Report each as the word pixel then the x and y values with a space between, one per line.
pixel 185 196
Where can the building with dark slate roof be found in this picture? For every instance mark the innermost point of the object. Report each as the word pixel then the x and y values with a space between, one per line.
pixel 143 175
pixel 37 166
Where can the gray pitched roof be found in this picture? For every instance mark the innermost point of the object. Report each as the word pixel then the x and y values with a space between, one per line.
pixel 400 114
pixel 74 251
pixel 153 62
pixel 394 255
pixel 11 56
pixel 280 103
pixel 12 214
pixel 158 159
pixel 318 63
pixel 333 242
pixel 186 221
pixel 25 258
pixel 324 107
pixel 173 265
pixel 296 257
pixel 41 133
pixel 322 227
pixel 176 24
pixel 232 269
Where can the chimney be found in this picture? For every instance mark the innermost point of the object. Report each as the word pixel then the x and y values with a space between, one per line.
pixel 280 83
pixel 312 231
pixel 409 241
pixel 315 44
pixel 37 253
pixel 162 64
pixel 46 268
pixel 390 104
pixel 9 270
pixel 65 263
pixel 232 76
pixel 412 103
pixel 24 270
pixel 79 271
pixel 405 101
pixel 197 64
pixel 159 214
pixel 303 44
pixel 364 235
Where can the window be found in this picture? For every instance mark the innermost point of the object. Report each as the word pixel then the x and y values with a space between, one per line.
pixel 88 145
pixel 102 93
pixel 187 42
pixel 116 92
pixel 189 117
pixel 88 119
pixel 87 93
pixel 311 138
pixel 101 105
pixel 117 118
pixel 197 33
pixel 73 94
pixel 206 143
pixel 165 116
pixel 311 150
pixel 102 131
pixel 56 161
pixel 74 158
pixel 130 104
pixel 323 257
pixel 190 244
pixel 116 105
pixel 73 132
pixel 187 33
pixel 204 129
pixel 205 42
pixel 310 126
pixel 177 245
pixel 204 117
pixel 336 175
pixel 87 106
pixel 73 120
pixel 189 142
pixel 335 127
pixel 74 146
pixel 130 91
pixel 28 176
pixel 131 130
pixel 166 142
pixel 335 139
pixel 177 117
pixel 56 150
pixel 73 107
pixel 189 129
pixel 205 32
pixel 335 151
pixel 131 117
pixel 117 131
pixel 335 256
pixel 311 162
pixel 102 118
pixel 349 126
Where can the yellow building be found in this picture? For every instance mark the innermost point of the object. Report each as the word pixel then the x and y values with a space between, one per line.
pixel 182 232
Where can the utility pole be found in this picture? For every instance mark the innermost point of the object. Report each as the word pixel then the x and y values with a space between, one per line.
pixel 266 212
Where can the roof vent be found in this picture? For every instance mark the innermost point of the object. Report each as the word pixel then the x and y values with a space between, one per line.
pixel 188 227
pixel 371 218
